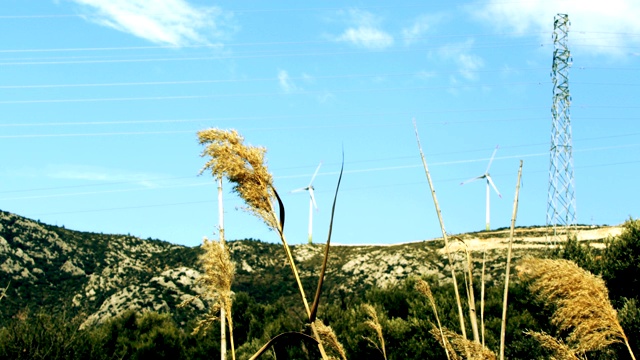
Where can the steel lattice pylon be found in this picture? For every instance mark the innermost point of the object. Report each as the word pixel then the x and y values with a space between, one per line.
pixel 561 201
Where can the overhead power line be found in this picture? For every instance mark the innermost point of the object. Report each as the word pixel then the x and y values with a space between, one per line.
pixel 261 94
pixel 305 175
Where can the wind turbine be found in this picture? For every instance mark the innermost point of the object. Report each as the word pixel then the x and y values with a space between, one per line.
pixel 312 200
pixel 487 177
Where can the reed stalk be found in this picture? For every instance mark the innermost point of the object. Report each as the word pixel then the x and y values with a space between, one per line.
pixel 503 327
pixel 484 261
pixel 473 316
pixel 223 334
pixel 444 235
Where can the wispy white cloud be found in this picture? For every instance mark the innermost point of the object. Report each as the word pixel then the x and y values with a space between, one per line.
pixel 424 75
pixel 364 31
pixel 286 84
pixel 599 27
pixel 325 97
pixel 167 22
pixel 422 25
pixel 468 63
pixel 100 174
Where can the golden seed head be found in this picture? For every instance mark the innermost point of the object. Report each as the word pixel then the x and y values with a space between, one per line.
pixel 244 166
pixel 580 299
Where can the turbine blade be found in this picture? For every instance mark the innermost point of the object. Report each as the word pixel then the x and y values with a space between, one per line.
pixel 315 173
pixel 473 179
pixel 313 198
pixel 299 190
pixel 491 160
pixel 493 185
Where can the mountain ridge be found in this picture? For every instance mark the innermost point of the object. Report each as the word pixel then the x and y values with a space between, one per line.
pixel 98 275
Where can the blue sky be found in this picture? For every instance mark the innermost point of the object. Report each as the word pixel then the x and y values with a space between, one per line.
pixel 100 102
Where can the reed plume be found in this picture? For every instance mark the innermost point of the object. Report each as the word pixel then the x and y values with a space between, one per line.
pixel 374 324
pixel 560 350
pixel 243 166
pixel 581 302
pixel 458 345
pixel 329 337
pixel 218 275
pixel 424 288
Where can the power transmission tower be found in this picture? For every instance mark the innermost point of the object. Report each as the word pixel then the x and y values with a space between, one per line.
pixel 561 201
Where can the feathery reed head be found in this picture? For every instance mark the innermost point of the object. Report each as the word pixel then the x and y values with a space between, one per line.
pixel 561 351
pixel 461 348
pixel 218 275
pixel 329 337
pixel 242 165
pixel 581 302
pixel 374 324
pixel 424 288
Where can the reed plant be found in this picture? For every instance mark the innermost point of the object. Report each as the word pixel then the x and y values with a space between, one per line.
pixel 581 303
pixel 424 288
pixel 330 338
pixel 503 327
pixel 218 275
pixel 558 348
pixel 470 348
pixel 458 345
pixel 373 323
pixel 245 167
pixel 444 235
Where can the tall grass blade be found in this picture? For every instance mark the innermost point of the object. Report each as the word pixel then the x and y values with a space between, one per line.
pixel 316 299
pixel 280 210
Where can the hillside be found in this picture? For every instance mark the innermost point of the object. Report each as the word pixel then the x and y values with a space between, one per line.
pixel 60 270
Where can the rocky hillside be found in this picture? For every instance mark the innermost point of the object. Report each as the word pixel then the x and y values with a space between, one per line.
pixel 95 275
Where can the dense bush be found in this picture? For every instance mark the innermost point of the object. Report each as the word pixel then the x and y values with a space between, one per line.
pixel 405 315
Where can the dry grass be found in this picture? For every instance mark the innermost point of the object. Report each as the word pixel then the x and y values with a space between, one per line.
pixel 329 337
pixel 424 288
pixel 458 345
pixel 581 302
pixel 218 275
pixel 242 165
pixel 374 324
pixel 561 351
pixel 4 291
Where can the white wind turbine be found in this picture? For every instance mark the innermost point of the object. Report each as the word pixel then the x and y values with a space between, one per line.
pixel 312 201
pixel 489 182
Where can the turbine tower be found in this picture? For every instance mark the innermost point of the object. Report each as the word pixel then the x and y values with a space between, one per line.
pixel 312 201
pixel 561 199
pixel 490 182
